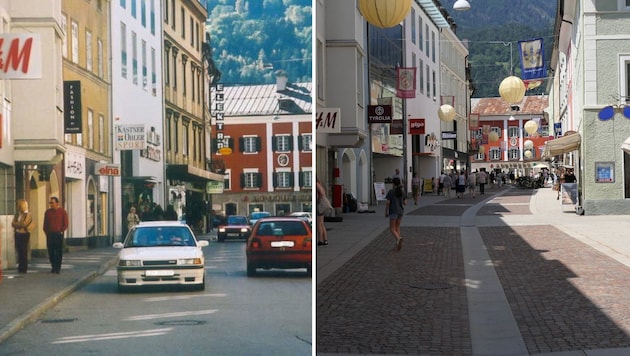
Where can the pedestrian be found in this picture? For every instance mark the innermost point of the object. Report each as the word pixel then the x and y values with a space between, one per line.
pixel 436 185
pixel 394 209
pixel 482 179
pixel 323 205
pixel 132 218
pixel 472 183
pixel 55 223
pixel 441 183
pixel 23 224
pixel 446 186
pixel 170 213
pixel 397 174
pixel 415 188
pixel 461 184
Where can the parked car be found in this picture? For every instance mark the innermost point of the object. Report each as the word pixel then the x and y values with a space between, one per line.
pixel 279 242
pixel 304 215
pixel 160 253
pixel 255 216
pixel 235 227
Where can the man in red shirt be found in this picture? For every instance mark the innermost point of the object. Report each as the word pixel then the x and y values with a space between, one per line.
pixel 55 223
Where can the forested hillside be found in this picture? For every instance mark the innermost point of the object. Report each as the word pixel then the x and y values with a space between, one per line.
pixel 504 21
pixel 251 39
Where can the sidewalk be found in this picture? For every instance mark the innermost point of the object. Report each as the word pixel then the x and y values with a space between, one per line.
pixel 357 270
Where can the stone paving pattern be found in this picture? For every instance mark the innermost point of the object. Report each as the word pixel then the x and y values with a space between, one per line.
pixel 385 301
pixel 564 295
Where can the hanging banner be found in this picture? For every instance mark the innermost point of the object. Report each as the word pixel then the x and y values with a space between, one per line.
pixel 416 126
pixel 72 106
pixel 406 82
pixel 532 59
pixel 379 114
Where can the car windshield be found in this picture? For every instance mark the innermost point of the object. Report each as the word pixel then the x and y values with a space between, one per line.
pixel 236 220
pixel 281 228
pixel 160 236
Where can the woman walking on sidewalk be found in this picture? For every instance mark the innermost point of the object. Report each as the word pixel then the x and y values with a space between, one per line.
pixel 394 209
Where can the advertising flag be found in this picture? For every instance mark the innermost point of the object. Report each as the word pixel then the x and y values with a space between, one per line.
pixel 406 82
pixel 532 59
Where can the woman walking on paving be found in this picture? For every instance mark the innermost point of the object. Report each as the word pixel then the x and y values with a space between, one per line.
pixel 394 209
pixel 322 235
pixel 23 224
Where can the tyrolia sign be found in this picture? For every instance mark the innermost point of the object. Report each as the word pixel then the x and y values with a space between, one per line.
pixel 379 114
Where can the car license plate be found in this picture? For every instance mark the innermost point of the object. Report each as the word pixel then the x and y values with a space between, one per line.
pixel 233 234
pixel 160 273
pixel 282 243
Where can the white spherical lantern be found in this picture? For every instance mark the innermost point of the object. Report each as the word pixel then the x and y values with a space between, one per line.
pixel 482 150
pixel 384 13
pixel 528 154
pixel 531 127
pixel 446 113
pixel 512 89
pixel 493 136
pixel 529 144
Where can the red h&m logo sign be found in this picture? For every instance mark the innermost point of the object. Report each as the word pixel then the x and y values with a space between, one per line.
pixel 20 56
pixel 328 120
pixel 416 126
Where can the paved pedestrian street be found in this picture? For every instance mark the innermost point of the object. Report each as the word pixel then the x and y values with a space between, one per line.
pixel 561 294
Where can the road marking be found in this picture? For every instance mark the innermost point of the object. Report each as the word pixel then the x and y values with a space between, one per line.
pixel 112 336
pixel 170 315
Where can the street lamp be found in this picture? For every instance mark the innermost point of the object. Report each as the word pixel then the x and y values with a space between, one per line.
pixel 446 113
pixel 461 5
pixel 384 13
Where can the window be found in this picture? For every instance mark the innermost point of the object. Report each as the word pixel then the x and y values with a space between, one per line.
pixel 99 58
pixel 88 50
pixel 426 45
pixel 90 128
pixel 251 179
pixel 183 13
pixel 434 85
pixel 75 42
pixel 306 143
pixel 413 26
pixel 282 143
pixel 320 70
pixel 185 139
pixel 153 73
pixel 133 9
pixel 420 36
pixel 192 32
pixel 152 17
pixel 143 13
pixel 306 178
pixel 145 80
pixel 544 130
pixel 497 130
pixel 433 46
pixel 173 14
pixel 64 39
pixel 513 131
pixel 226 179
pixel 283 179
pixel 624 5
pixel 134 57
pixel 480 156
pixel 101 133
pixel 495 154
pixel 123 49
pixel 165 10
pixel 123 4
pixel 428 82
pixel 167 68
pixel 249 144
pixel 184 76
pixel 420 75
pixel 514 154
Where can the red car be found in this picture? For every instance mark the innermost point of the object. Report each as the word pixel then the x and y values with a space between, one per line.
pixel 235 227
pixel 279 242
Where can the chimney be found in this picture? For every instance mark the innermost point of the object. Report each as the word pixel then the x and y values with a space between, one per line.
pixel 281 80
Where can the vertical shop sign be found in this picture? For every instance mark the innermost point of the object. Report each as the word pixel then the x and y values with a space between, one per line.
pixel 72 106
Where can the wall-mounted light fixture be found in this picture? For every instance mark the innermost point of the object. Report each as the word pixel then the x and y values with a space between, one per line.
pixel 461 5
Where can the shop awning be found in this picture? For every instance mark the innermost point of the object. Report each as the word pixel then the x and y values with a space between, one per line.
pixel 625 146
pixel 188 173
pixel 561 145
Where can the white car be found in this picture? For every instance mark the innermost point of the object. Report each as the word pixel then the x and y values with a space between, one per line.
pixel 304 215
pixel 161 253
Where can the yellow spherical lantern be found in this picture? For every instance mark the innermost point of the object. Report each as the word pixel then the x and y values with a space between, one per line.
pixel 482 150
pixel 384 13
pixel 531 127
pixel 446 113
pixel 512 89
pixel 493 136
pixel 529 144
pixel 528 154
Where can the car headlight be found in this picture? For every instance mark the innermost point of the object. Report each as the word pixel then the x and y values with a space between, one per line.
pixel 130 263
pixel 189 261
pixel 244 229
pixel 221 229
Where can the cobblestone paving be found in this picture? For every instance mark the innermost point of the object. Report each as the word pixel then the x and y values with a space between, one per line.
pixel 385 301
pixel 564 295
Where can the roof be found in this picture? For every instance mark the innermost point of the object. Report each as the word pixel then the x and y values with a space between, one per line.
pixel 531 105
pixel 258 100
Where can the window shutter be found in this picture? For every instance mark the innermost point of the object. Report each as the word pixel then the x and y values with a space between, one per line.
pixel 274 143
pixel 301 178
pixel 214 145
pixel 291 180
pixel 290 143
pixel 231 143
pixel 241 144
pixel 260 180
pixel 258 144
pixel 300 143
pixel 242 180
pixel 275 180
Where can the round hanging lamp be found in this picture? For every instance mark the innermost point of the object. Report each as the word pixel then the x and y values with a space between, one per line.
pixel 384 13
pixel 512 89
pixel 461 5
pixel 531 127
pixel 493 136
pixel 529 144
pixel 482 150
pixel 446 113
pixel 528 154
